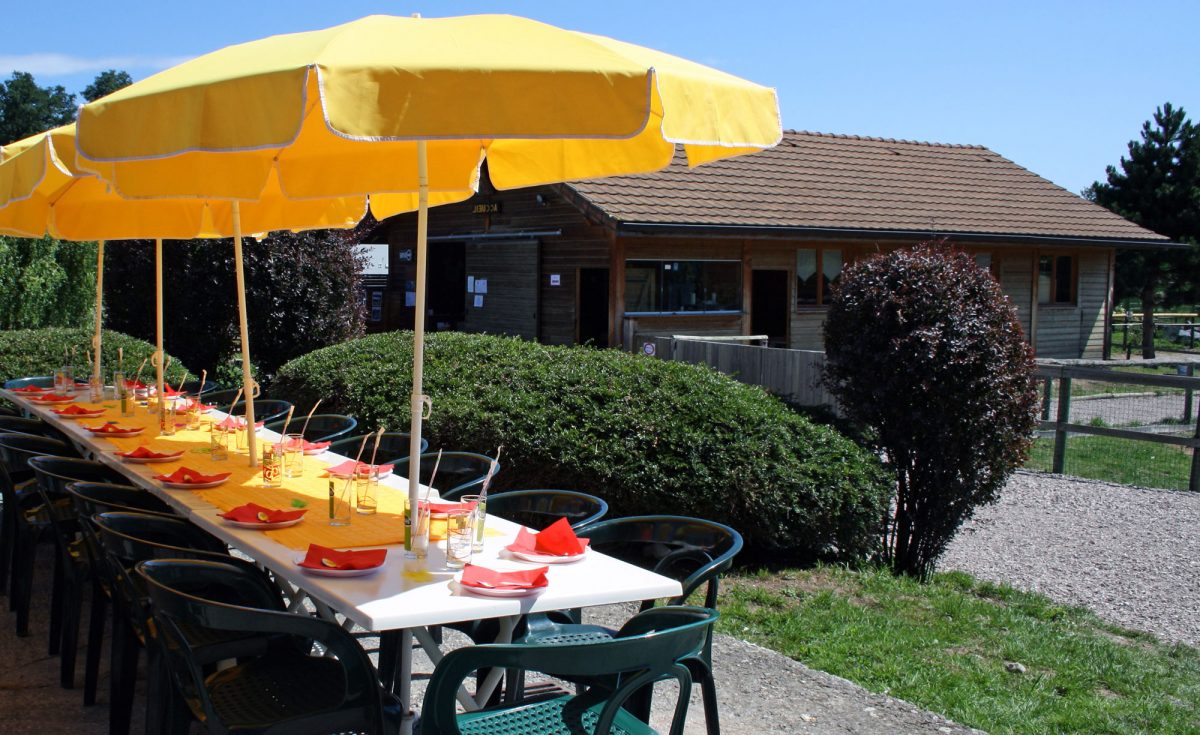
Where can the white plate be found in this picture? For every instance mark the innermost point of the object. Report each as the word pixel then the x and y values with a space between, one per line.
pixel 325 572
pixel 117 434
pixel 260 526
pixel 315 452
pixel 495 592
pixel 546 558
pixel 192 485
pixel 152 460
pixel 55 402
pixel 77 416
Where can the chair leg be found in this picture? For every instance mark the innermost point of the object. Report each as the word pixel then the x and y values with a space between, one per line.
pixel 69 645
pixel 96 619
pixel 123 676
pixel 22 581
pixel 56 605
pixel 7 541
pixel 389 651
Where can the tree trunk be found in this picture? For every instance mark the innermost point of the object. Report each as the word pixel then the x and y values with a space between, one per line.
pixel 1148 288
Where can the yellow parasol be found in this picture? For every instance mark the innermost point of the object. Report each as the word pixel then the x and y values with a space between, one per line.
pixel 42 192
pixel 406 109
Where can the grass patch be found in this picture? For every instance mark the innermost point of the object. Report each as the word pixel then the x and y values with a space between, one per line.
pixel 1081 387
pixel 944 646
pixel 1123 461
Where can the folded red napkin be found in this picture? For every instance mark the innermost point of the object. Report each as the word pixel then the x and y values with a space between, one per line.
pixel 170 392
pixel 134 384
pixel 144 452
pixel 521 579
pixel 350 467
pixel 558 539
pixel 255 513
pixel 111 428
pixel 51 397
pixel 74 410
pixel 188 476
pixel 313 446
pixel 30 389
pixel 323 557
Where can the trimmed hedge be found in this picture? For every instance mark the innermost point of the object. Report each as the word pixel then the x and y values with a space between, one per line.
pixel 27 352
pixel 649 436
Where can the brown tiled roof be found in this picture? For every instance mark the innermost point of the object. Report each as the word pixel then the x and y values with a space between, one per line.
pixel 819 181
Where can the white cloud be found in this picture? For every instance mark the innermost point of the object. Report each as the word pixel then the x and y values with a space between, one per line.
pixel 50 64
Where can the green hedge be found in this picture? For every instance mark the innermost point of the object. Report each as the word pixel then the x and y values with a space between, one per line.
pixel 26 352
pixel 647 435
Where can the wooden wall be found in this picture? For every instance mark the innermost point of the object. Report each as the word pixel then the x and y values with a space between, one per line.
pixel 510 306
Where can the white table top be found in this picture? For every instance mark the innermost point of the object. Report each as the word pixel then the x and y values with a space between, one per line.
pixel 389 599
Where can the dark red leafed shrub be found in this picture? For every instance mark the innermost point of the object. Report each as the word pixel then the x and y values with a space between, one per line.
pixel 925 350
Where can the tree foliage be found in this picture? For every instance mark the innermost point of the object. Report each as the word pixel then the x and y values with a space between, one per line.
pixel 925 350
pixel 302 294
pixel 27 109
pixel 1158 187
pixel 105 83
pixel 46 283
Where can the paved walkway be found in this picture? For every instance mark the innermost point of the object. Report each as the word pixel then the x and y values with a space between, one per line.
pixel 760 690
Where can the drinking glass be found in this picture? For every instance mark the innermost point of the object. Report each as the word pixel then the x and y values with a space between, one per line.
pixel 416 534
pixel 193 415
pixel 366 480
pixel 293 455
pixel 166 418
pixel 340 503
pixel 460 536
pixel 272 466
pixel 95 389
pixel 218 444
pixel 478 506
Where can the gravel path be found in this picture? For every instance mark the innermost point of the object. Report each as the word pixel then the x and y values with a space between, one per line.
pixel 1132 555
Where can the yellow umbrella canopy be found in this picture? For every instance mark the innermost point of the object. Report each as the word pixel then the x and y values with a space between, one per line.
pixel 42 192
pixel 339 111
pixel 406 109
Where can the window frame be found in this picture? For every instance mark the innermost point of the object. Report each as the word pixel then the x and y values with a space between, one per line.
pixel 662 283
pixel 1052 298
pixel 822 299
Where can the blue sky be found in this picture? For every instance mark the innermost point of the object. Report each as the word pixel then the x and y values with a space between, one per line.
pixel 1058 87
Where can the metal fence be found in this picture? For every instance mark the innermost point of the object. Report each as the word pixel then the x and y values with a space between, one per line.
pixel 1134 428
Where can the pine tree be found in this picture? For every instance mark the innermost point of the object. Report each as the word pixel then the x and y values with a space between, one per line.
pixel 1158 187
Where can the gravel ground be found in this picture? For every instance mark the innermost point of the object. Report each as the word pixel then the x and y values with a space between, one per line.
pixel 1131 555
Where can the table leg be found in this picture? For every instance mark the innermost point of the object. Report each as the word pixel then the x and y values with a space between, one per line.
pixel 404 680
pixel 486 687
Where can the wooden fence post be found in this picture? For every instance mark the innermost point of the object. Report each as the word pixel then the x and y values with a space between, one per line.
pixel 1060 433
pixel 1187 394
pixel 1047 394
pixel 1194 480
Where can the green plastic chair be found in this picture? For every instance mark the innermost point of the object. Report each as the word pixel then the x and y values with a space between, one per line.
pixel 391 444
pixel 537 509
pixel 284 690
pixel 692 550
pixel 321 427
pixel 655 645
pixel 265 409
pixel 460 473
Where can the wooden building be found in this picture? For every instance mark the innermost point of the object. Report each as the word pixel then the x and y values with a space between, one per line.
pixel 752 245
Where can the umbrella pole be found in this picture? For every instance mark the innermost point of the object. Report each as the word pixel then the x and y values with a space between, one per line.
pixel 158 320
pixel 418 400
pixel 247 378
pixel 97 340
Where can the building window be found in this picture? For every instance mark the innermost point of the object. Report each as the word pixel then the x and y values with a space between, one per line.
pixel 682 286
pixel 817 269
pixel 1056 279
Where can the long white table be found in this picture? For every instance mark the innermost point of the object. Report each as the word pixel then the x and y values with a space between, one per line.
pixel 391 600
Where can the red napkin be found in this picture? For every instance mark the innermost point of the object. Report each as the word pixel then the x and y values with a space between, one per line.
pixel 522 579
pixel 323 557
pixel 30 389
pixel 312 446
pixel 144 452
pixel 170 392
pixel 237 422
pixel 74 410
pixel 349 467
pixel 52 397
pixel 134 384
pixel 111 428
pixel 558 539
pixel 254 513
pixel 188 476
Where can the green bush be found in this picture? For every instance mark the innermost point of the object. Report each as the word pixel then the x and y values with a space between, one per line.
pixel 46 283
pixel 26 352
pixel 647 435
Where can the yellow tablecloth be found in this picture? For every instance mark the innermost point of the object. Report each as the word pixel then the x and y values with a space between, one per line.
pixel 386 526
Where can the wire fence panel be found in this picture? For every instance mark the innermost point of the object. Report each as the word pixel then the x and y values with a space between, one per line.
pixel 1136 427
